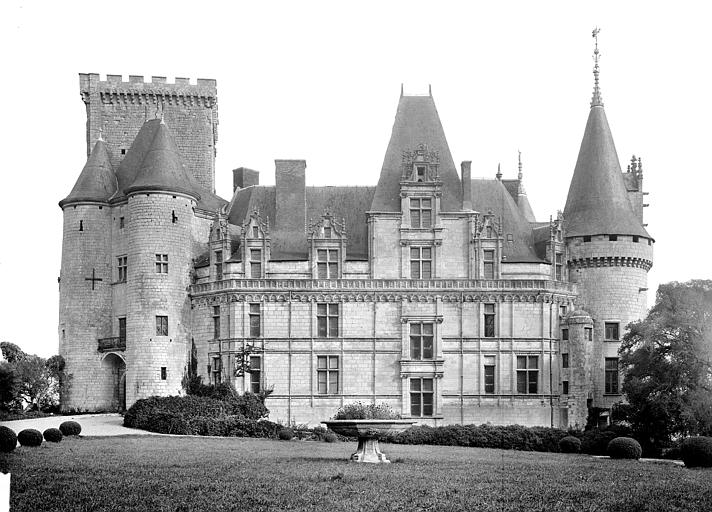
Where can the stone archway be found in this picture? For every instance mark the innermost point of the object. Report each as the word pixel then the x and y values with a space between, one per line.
pixel 114 388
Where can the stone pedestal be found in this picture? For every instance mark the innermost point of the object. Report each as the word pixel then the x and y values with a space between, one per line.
pixel 368 433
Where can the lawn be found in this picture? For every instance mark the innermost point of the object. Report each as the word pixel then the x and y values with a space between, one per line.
pixel 186 473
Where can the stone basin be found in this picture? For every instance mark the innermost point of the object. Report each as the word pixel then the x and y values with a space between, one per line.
pixel 368 433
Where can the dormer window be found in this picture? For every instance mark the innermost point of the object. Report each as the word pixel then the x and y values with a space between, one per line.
pixel 421 212
pixel 327 232
pixel 420 173
pixel 420 165
pixel 255 232
pixel 327 263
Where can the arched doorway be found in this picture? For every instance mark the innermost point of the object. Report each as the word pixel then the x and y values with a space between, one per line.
pixel 115 384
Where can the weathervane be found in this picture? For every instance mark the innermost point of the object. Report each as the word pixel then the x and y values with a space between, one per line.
pixel 596 100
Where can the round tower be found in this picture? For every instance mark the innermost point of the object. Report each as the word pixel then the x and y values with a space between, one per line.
pixel 160 212
pixel 85 282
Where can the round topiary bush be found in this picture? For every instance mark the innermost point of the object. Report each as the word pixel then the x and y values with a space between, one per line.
pixel 53 435
pixel 70 428
pixel 624 448
pixel 570 444
pixel 8 439
pixel 696 452
pixel 330 437
pixel 286 434
pixel 30 437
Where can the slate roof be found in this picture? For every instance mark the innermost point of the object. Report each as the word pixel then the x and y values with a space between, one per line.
pixel 97 181
pixel 416 122
pixel 598 201
pixel 516 190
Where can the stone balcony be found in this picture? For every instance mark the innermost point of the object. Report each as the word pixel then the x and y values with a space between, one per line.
pixel 111 344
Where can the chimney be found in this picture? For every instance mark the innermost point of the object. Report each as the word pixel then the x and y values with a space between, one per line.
pixel 466 185
pixel 290 196
pixel 242 177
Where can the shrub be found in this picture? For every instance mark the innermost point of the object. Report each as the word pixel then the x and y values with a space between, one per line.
pixel 570 444
pixel 624 448
pixel 286 434
pixel 595 442
pixel 70 428
pixel 30 437
pixel 8 439
pixel 361 411
pixel 330 437
pixel 143 412
pixel 696 452
pixel 53 435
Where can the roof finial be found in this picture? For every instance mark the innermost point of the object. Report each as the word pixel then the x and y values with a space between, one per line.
pixel 101 131
pixel 519 175
pixel 430 90
pixel 596 100
pixel 401 89
pixel 499 171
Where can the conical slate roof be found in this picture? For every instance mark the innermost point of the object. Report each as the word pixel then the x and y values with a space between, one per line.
pixel 97 181
pixel 417 122
pixel 162 168
pixel 598 201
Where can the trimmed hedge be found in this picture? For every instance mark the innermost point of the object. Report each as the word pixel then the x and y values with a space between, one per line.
pixel 53 435
pixel 286 434
pixel 30 437
pixel 624 448
pixel 8 439
pixel 330 437
pixel 570 444
pixel 70 428
pixel 595 441
pixel 696 452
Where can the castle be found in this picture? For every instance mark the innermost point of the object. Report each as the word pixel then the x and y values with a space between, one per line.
pixel 436 293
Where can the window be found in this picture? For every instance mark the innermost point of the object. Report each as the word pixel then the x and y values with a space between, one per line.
pixel 255 232
pixel 161 263
pixel 420 173
pixel 488 260
pixel 161 325
pixel 81 225
pixel 122 223
pixel 255 374
pixel 255 321
pixel 164 373
pixel 122 329
pixel 218 265
pixel 510 237
pixel 565 387
pixel 564 334
pixel 327 373
pixel 563 310
pixel 255 263
pixel 565 360
pixel 327 232
pixel 489 374
pixel 421 340
pixel 613 238
pixel 588 333
pixel 174 217
pixel 217 370
pixel 636 239
pixel 123 268
pixel 559 265
pixel 611 331
pixel 216 322
pixel 528 374
pixel 421 212
pixel 327 265
pixel 421 259
pixel 421 397
pixel 327 320
pixel 587 238
pixel 489 231
pixel 489 321
pixel 611 376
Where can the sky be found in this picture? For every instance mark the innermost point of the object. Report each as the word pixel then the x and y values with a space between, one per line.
pixel 320 81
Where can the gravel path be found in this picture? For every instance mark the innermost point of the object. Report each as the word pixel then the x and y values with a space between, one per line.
pixel 92 424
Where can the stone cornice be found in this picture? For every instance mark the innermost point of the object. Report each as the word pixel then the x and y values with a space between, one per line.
pixel 611 261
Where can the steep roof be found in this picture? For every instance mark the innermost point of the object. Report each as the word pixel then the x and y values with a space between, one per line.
pixel 417 122
pixel 348 203
pixel 97 181
pixel 598 201
pixel 492 196
pixel 516 190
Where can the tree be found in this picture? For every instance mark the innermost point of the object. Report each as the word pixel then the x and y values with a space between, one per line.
pixel 8 387
pixel 667 363
pixel 36 383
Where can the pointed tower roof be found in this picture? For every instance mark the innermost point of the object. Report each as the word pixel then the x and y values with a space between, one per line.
pixel 97 181
pixel 162 167
pixel 417 122
pixel 598 201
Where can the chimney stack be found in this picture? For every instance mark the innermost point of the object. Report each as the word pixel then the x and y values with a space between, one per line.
pixel 466 167
pixel 290 196
pixel 242 177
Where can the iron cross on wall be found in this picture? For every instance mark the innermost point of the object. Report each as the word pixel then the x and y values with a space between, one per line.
pixel 93 278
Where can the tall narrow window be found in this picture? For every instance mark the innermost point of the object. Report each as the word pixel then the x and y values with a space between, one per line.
pixel 123 268
pixel 216 322
pixel 489 318
pixel 588 333
pixel 421 397
pixel 565 360
pixel 564 334
pixel 327 320
pixel 81 225
pixel 327 263
pixel 161 325
pixel 488 261
pixel 611 376
pixel 528 374
pixel 164 373
pixel 327 373
pixel 612 331
pixel 122 330
pixel 489 369
pixel 217 370
pixel 255 321
pixel 421 259
pixel 421 212
pixel 161 263
pixel 565 387
pixel 421 340
pixel 559 260
pixel 255 263
pixel 255 374
pixel 218 265
pixel 122 223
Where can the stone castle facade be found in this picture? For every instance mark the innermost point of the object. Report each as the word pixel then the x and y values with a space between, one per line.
pixel 434 292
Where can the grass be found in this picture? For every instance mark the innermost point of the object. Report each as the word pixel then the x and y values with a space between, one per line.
pixel 186 473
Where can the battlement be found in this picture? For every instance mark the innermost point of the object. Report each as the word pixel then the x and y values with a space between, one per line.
pixel 137 85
